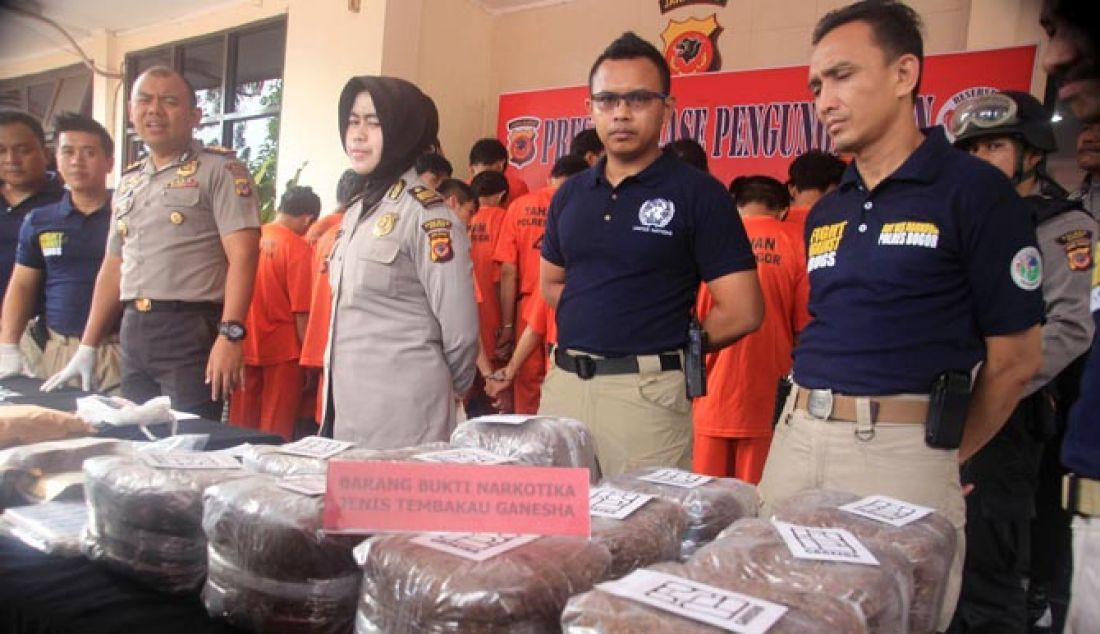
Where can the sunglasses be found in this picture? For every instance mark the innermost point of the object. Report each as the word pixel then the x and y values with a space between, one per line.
pixel 635 99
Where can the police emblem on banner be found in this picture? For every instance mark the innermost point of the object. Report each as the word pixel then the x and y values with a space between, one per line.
pixel 691 45
pixel 522 133
pixel 671 5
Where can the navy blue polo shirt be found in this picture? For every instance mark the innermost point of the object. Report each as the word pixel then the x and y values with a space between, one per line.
pixel 67 246
pixel 907 280
pixel 634 255
pixel 11 219
pixel 1081 448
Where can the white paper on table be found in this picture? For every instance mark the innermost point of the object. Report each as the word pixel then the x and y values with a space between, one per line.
pixel 466 455
pixel 473 546
pixel 677 478
pixel 887 510
pixel 731 611
pixel 824 544
pixel 503 419
pixel 314 447
pixel 189 460
pixel 614 503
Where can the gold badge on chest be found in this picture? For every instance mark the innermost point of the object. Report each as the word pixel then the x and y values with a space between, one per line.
pixel 187 169
pixel 385 225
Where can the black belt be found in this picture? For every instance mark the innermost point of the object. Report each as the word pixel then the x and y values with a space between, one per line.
pixel 145 305
pixel 587 367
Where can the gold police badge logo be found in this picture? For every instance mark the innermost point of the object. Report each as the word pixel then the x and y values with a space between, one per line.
pixel 690 45
pixel 385 225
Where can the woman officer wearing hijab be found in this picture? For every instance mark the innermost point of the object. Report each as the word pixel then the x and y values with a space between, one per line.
pixel 403 337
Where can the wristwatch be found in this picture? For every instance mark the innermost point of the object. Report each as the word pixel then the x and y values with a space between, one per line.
pixel 232 330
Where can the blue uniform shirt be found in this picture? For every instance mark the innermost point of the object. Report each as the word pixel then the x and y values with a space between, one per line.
pixel 1081 448
pixel 634 255
pixel 11 219
pixel 907 280
pixel 67 246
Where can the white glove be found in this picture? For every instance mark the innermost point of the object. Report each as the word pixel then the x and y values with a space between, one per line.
pixel 11 360
pixel 81 365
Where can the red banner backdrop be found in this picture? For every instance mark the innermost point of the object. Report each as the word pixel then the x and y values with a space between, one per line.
pixel 750 122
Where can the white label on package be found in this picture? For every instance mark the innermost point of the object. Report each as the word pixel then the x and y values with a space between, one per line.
pixel 474 546
pixel 51 518
pixel 471 455
pixel 887 510
pixel 314 447
pixel 189 460
pixel 307 485
pixel 677 478
pixel 824 544
pixel 616 504
pixel 730 611
pixel 503 419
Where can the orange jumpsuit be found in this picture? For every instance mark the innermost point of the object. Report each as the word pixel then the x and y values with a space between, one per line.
pixel 485 231
pixel 273 379
pixel 540 319
pixel 796 221
pixel 733 422
pixel 318 229
pixel 320 308
pixel 516 185
pixel 520 245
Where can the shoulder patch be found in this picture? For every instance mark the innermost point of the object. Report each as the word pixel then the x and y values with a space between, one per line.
pixel 220 150
pixel 426 197
pixel 242 180
pixel 395 190
pixel 437 224
pixel 1078 246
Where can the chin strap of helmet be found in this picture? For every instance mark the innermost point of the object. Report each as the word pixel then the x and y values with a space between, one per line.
pixel 1020 173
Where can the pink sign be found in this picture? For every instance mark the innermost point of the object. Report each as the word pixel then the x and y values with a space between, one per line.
pixel 366 497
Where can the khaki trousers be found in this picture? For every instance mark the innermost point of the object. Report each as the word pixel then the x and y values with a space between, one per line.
pixel 60 350
pixel 1084 610
pixel 809 453
pixel 638 420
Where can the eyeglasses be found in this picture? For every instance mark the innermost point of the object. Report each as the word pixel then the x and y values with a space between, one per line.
pixel 635 99
pixel 987 111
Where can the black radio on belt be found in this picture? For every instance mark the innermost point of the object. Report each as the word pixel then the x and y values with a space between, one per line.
pixel 695 370
pixel 947 406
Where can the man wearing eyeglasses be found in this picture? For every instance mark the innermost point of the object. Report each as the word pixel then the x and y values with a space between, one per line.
pixel 627 243
pixel 922 265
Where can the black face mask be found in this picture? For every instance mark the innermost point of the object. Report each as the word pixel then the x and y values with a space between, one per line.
pixel 410 124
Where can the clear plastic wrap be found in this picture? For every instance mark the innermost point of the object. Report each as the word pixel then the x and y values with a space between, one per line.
pixel 147 522
pixel 413 589
pixel 269 460
pixel 59 456
pixel 599 612
pixel 272 567
pixel 928 544
pixel 52 527
pixel 539 440
pixel 752 551
pixel 649 535
pixel 710 507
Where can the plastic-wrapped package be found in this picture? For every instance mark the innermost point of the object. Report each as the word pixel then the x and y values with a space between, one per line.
pixel 710 507
pixel 58 456
pixel 752 551
pixel 649 535
pixel 24 424
pixel 146 521
pixel 51 527
pixel 538 440
pixel 412 588
pixel 928 544
pixel 600 612
pixel 270 460
pixel 272 567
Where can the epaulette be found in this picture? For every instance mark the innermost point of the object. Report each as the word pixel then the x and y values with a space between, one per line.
pixel 133 166
pixel 220 150
pixel 425 196
pixel 394 192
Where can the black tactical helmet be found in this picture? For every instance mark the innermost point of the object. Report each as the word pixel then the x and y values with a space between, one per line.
pixel 1010 113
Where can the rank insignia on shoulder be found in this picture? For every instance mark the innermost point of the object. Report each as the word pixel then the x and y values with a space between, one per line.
pixel 437 224
pixel 425 196
pixel 220 150
pixel 440 247
pixel 133 166
pixel 395 190
pixel 1078 246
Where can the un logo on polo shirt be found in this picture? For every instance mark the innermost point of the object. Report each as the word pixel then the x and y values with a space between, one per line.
pixel 655 214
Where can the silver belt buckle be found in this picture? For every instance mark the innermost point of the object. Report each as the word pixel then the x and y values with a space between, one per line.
pixel 820 404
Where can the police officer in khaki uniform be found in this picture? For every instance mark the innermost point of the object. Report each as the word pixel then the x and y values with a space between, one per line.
pixel 180 260
pixel 404 333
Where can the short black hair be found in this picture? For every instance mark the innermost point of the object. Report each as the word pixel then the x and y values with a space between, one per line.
pixel 75 122
pixel 165 71
pixel 434 163
pixel 587 140
pixel 816 170
pixel 690 152
pixel 567 166
pixel 25 119
pixel 895 28
pixel 760 189
pixel 488 151
pixel 454 187
pixel 630 46
pixel 300 201
pixel 489 183
pixel 348 187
